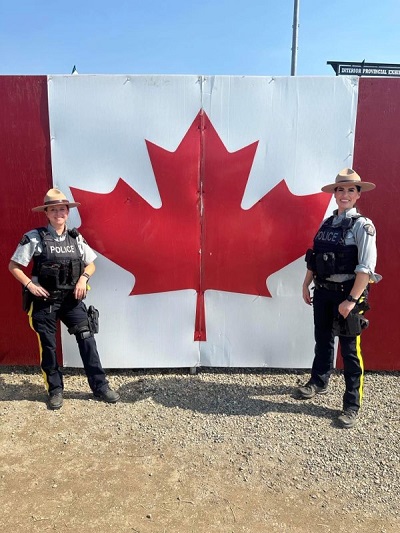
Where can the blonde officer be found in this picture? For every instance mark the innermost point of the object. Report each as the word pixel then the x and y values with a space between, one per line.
pixel 62 265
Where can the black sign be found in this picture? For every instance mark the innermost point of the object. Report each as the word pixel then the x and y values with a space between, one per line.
pixel 346 68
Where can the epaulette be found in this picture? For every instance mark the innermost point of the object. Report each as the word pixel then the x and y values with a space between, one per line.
pixel 74 233
pixel 348 223
pixel 43 231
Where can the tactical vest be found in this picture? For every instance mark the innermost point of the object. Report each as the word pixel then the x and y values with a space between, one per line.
pixel 59 266
pixel 330 254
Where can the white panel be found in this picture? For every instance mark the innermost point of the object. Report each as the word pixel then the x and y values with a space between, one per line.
pixel 253 331
pixel 305 128
pixel 98 127
pixel 143 331
pixel 99 124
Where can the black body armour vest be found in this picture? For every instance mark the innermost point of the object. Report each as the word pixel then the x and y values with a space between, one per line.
pixel 59 266
pixel 330 253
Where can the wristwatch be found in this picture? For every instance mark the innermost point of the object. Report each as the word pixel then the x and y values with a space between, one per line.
pixel 350 298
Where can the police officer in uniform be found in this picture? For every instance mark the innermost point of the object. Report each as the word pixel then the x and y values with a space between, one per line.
pixel 62 266
pixel 341 264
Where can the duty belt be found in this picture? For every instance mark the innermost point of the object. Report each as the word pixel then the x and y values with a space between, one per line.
pixel 332 286
pixel 59 294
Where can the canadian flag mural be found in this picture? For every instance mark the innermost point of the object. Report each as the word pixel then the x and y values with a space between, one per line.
pixel 200 196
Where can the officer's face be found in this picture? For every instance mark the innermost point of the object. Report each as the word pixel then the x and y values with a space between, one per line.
pixel 57 215
pixel 346 196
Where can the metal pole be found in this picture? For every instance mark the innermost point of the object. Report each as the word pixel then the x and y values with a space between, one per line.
pixel 295 37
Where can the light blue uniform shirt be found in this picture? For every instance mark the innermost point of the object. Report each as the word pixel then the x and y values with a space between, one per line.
pixel 25 252
pixel 363 235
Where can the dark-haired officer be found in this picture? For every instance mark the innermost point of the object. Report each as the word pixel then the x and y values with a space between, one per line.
pixel 342 265
pixel 62 265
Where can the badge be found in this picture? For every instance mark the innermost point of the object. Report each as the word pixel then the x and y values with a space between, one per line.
pixel 369 229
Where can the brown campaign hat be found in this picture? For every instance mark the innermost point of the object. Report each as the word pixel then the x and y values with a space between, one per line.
pixel 348 176
pixel 55 197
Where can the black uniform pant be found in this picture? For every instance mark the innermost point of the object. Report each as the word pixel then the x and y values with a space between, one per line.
pixel 45 314
pixel 325 303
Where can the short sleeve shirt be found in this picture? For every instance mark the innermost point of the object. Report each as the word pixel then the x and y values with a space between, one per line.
pixel 31 245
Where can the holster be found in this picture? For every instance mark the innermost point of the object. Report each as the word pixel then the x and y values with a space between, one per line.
pixel 93 319
pixel 352 326
pixel 310 260
pixel 27 299
pixel 89 326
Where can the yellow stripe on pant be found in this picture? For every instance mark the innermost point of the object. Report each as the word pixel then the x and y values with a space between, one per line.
pixel 46 384
pixel 360 359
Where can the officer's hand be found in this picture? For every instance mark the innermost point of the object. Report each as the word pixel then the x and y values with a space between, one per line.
pixel 80 288
pixel 306 295
pixel 345 308
pixel 37 290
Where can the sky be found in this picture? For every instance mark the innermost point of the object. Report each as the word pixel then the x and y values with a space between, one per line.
pixel 209 37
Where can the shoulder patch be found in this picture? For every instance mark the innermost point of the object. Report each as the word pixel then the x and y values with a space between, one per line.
pixel 25 239
pixel 369 229
pixel 80 239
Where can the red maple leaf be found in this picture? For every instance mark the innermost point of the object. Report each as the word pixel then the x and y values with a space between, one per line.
pixel 201 186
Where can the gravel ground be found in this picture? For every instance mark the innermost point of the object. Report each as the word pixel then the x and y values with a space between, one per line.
pixel 223 450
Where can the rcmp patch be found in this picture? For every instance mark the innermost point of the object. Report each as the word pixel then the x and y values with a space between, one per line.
pixel 24 240
pixel 369 229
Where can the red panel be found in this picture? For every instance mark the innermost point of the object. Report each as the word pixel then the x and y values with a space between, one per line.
pixel 377 159
pixel 25 176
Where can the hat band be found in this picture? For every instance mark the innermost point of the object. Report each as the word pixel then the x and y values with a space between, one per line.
pixel 52 202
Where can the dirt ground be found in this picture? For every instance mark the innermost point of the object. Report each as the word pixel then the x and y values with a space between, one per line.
pixel 176 455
